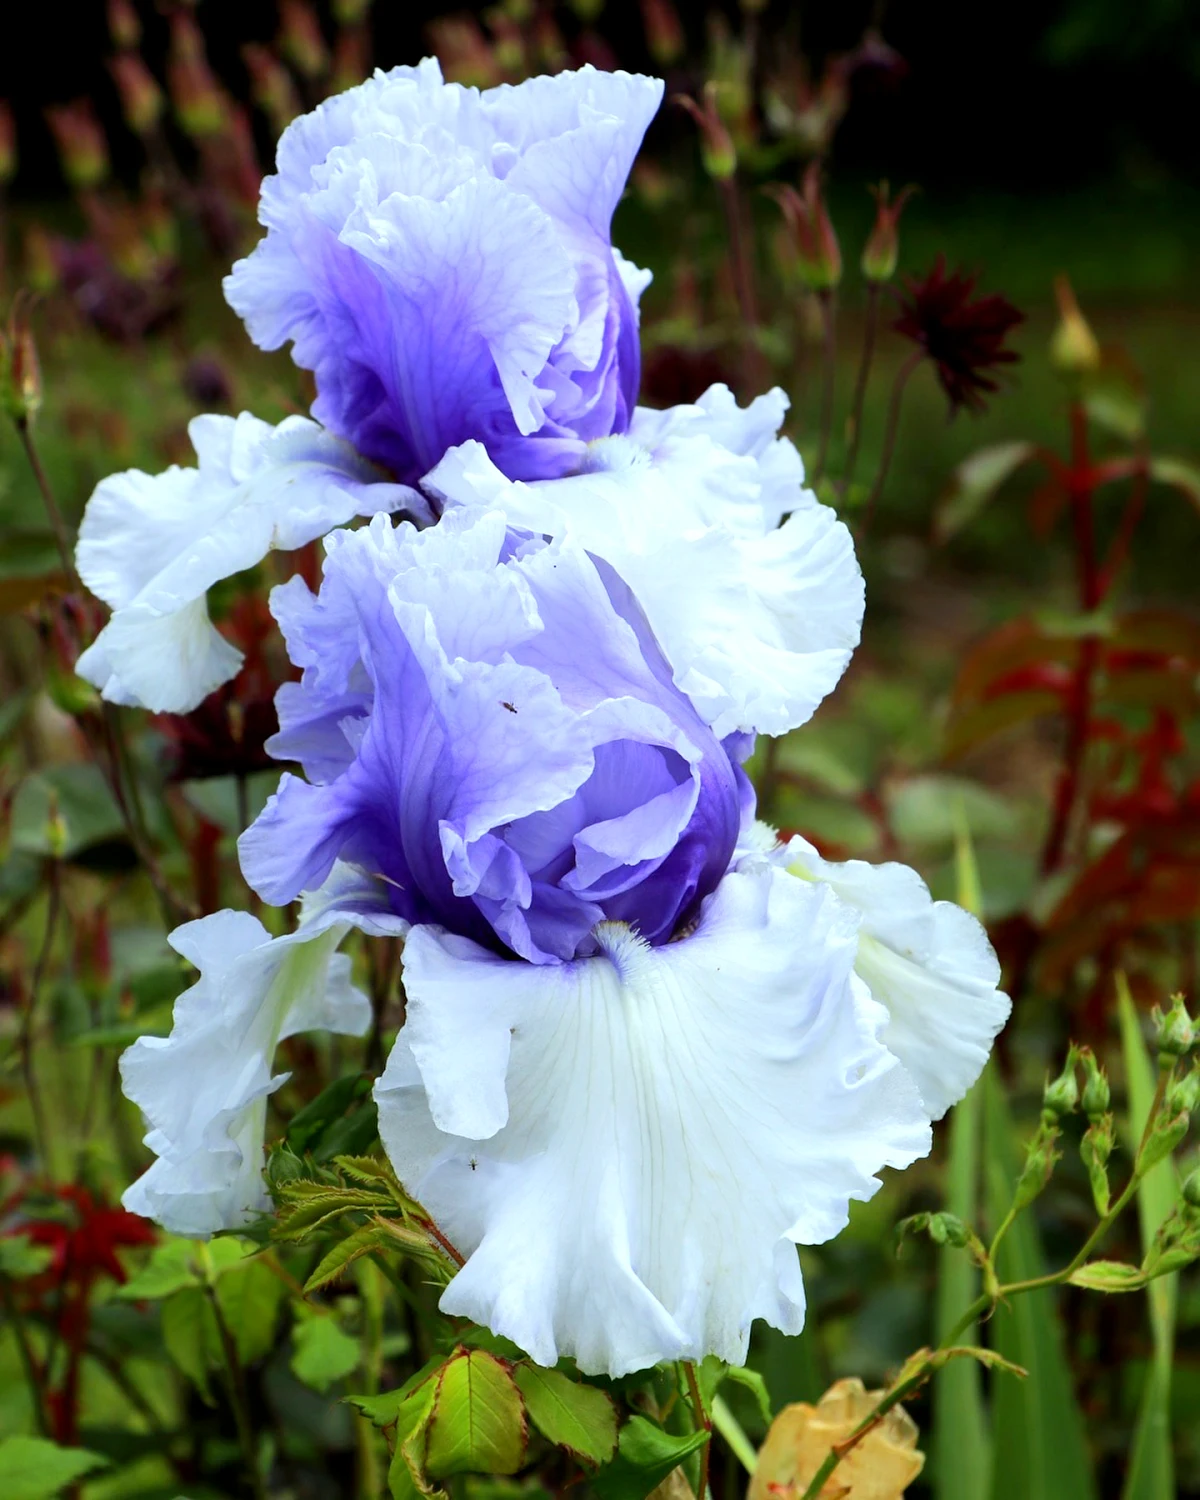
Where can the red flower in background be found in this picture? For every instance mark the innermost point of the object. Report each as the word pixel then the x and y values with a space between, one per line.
pixel 83 1235
pixel 963 337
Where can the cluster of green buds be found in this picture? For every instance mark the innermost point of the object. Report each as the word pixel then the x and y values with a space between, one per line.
pixel 882 249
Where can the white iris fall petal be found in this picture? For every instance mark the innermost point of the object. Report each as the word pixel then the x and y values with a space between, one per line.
pixel 151 546
pixel 929 963
pixel 758 619
pixel 204 1088
pixel 628 1147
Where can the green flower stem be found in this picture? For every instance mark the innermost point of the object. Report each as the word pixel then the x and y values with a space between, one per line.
pixel 236 1382
pixel 860 386
pixel 889 437
pixel 828 306
pixel 735 1438
pixel 995 1293
pixel 58 525
pixel 703 1422
pixel 28 1359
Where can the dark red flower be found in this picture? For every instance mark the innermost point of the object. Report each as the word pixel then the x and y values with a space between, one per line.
pixel 963 337
pixel 82 1233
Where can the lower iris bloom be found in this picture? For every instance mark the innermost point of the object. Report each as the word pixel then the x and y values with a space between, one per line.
pixel 647 1051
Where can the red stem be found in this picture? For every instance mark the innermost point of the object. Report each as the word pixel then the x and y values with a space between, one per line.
pixel 1092 584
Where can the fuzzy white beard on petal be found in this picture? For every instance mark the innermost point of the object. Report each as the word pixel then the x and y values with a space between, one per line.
pixel 627 1148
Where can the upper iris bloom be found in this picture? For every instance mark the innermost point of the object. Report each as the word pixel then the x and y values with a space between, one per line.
pixel 440 259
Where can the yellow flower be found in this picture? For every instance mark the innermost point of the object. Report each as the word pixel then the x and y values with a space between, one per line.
pixel 880 1467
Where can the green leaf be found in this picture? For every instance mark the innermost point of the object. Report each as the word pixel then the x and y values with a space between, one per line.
pixel 171 1267
pixel 960 1459
pixel 384 1409
pixel 1108 1276
pixel 750 1380
pixel 323 1353
pixel 478 1422
pixel 64 810
pixel 974 483
pixel 249 1295
pixel 20 1258
pixel 645 1456
pixel 571 1415
pixel 1151 1473
pixel 1040 1448
pixel 314 1119
pixel 345 1253
pixel 406 1473
pixel 1181 476
pixel 190 1336
pixel 34 1469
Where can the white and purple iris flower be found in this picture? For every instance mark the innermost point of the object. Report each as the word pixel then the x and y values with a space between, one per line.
pixel 648 1049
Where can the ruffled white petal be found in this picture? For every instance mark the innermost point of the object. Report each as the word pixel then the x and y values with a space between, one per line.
pixel 928 962
pixel 152 546
pixel 203 1090
pixel 628 1147
pixel 757 619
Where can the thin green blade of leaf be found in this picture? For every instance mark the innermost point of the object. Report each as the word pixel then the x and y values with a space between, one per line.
pixel 569 1414
pixel 1040 1448
pixel 961 1441
pixel 1151 1474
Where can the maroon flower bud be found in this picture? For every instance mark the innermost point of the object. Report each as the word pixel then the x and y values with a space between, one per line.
pixel 664 31
pixel 141 97
pixel 82 144
pixel 300 38
pixel 20 374
pixel 351 59
pixel 123 24
pixel 271 86
pixel 199 100
pixel 882 249
pixel 8 143
pixel 717 150
pixel 350 12
pixel 818 255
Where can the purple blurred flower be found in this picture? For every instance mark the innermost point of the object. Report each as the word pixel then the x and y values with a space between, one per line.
pixel 459 743
pixel 441 260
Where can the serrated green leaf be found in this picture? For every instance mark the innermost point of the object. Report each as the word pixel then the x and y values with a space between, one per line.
pixel 190 1336
pixel 33 1469
pixel 322 1354
pixel 1040 1447
pixel 171 1267
pixel 478 1421
pixel 569 1414
pixel 1151 1473
pixel 645 1456
pixel 383 1410
pixel 406 1473
pixel 344 1254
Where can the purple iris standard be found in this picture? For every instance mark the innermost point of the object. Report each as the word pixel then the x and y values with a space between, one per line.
pixel 441 260
pixel 489 728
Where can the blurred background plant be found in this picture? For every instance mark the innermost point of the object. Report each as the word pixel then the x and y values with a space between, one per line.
pixel 1020 722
